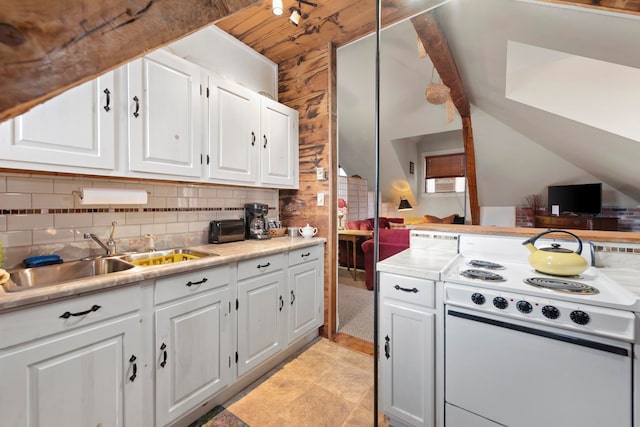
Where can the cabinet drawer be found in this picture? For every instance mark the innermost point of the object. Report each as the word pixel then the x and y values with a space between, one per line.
pixel 182 285
pixel 415 291
pixel 36 322
pixel 303 255
pixel 260 265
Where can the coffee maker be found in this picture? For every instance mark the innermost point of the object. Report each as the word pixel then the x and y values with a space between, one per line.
pixel 255 219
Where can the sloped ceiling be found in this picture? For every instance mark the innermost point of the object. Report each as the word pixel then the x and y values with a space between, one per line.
pixel 478 33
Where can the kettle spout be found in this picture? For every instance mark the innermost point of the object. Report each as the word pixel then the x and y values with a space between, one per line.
pixel 529 245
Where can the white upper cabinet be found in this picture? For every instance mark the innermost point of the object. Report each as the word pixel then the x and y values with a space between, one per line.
pixel 75 131
pixel 233 132
pixel 279 144
pixel 163 115
pixel 251 139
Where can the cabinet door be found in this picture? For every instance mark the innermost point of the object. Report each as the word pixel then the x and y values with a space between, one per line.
pixel 262 310
pixel 278 144
pixel 233 132
pixel 193 355
pixel 88 377
pixel 306 305
pixel 164 105
pixel 407 363
pixel 76 128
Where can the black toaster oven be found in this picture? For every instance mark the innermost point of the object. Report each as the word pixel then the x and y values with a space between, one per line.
pixel 226 230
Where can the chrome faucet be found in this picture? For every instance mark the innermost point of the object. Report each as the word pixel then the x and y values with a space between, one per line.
pixel 110 247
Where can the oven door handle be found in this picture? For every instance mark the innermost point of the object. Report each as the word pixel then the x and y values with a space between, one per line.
pixel 545 334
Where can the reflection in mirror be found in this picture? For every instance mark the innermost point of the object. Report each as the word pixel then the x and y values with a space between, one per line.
pixel 521 146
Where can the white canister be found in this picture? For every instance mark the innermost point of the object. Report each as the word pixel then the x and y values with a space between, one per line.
pixel 308 231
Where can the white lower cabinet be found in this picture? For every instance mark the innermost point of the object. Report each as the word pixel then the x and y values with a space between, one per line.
pixel 192 341
pixel 407 350
pixel 261 308
pixel 152 353
pixel 85 373
pixel 306 291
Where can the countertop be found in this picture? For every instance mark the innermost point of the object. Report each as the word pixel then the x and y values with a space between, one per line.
pixel 227 252
pixel 418 263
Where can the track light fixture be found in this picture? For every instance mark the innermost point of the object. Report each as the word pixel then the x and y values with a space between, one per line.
pixel 276 7
pixel 296 13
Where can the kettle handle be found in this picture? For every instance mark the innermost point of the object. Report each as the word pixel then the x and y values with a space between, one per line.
pixel 534 238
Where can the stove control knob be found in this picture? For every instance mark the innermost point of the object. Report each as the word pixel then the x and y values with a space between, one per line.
pixel 550 312
pixel 579 317
pixel 478 298
pixel 500 303
pixel 524 306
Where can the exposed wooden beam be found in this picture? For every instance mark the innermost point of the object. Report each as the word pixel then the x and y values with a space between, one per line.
pixel 48 46
pixel 435 43
pixel 472 186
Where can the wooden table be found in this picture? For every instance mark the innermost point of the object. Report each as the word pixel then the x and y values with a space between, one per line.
pixel 353 236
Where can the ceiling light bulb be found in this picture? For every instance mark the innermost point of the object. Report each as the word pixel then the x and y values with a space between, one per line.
pixel 276 7
pixel 295 17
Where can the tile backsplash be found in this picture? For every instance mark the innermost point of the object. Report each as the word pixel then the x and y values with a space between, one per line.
pixel 41 214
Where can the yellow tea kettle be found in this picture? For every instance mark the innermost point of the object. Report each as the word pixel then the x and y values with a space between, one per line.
pixel 556 260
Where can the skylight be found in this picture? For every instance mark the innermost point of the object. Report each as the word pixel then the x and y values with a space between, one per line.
pixel 597 93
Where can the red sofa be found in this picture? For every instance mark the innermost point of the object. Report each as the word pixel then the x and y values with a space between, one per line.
pixel 361 224
pixel 391 242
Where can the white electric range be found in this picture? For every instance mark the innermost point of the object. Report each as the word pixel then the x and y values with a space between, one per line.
pixel 524 349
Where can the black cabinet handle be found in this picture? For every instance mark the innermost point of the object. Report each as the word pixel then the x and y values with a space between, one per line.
pixel 68 314
pixel 400 288
pixel 135 368
pixel 305 255
pixel 293 297
pixel 190 283
pixel 107 107
pixel 163 348
pixel 253 139
pixel 137 101
pixel 387 350
pixel 265 141
pixel 264 266
pixel 207 159
pixel 281 303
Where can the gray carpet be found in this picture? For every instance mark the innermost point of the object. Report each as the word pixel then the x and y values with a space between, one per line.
pixel 355 312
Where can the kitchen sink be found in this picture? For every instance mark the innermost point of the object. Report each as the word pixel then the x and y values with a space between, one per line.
pixel 38 277
pixel 167 256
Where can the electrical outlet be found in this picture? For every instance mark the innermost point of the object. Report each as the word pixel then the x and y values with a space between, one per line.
pixel 321 198
pixel 320 176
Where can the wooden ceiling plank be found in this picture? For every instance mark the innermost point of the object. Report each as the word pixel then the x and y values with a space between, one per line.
pixel 631 7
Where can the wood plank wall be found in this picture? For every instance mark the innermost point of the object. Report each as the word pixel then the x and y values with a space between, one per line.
pixel 305 84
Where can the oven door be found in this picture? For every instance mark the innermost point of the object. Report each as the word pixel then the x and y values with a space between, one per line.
pixel 519 375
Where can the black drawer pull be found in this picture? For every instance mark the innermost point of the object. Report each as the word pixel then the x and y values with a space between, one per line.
pixel 293 297
pixel 387 347
pixel 264 266
pixel 135 368
pixel 137 101
pixel 305 255
pixel 400 288
pixel 253 139
pixel 68 314
pixel 163 348
pixel 281 303
pixel 190 283
pixel 265 141
pixel 107 106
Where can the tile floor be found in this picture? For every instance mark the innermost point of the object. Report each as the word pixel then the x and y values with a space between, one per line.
pixel 326 385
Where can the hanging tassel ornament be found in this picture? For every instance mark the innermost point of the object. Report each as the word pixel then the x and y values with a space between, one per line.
pixel 439 93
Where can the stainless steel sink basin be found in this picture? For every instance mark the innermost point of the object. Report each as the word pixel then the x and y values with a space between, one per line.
pixel 38 277
pixel 167 256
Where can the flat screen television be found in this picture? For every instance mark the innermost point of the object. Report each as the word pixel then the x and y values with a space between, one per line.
pixel 583 199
